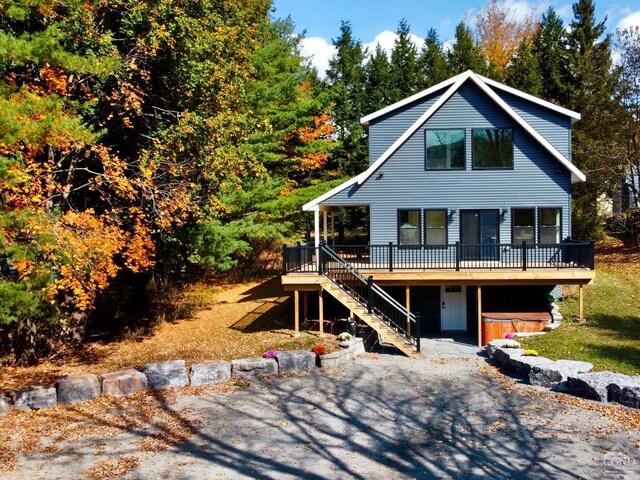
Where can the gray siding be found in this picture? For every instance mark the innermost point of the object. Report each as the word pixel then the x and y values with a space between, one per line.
pixel 537 179
pixel 383 131
pixel 553 126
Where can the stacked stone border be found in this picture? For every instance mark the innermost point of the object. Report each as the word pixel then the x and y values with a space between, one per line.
pixel 82 387
pixel 566 376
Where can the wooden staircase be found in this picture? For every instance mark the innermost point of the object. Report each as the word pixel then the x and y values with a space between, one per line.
pixel 386 333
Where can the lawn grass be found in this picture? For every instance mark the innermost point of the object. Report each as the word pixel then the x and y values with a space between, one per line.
pixel 610 339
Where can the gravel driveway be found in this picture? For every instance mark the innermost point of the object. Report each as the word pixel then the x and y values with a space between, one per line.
pixel 382 417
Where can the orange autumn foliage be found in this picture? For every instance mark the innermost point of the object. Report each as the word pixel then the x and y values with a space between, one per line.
pixel 500 32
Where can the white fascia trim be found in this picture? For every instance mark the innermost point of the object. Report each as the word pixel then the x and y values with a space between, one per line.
pixel 576 174
pixel 423 118
pixel 315 203
pixel 575 116
pixel 378 113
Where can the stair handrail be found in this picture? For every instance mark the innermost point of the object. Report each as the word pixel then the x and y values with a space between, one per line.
pixel 370 286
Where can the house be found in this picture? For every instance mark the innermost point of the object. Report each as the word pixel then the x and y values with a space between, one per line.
pixel 469 198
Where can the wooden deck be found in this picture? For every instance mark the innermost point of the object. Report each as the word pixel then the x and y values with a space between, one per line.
pixel 578 276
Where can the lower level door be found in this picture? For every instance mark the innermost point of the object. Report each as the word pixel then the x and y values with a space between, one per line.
pixel 453 307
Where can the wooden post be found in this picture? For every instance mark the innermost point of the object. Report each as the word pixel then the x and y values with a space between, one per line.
pixel 324 225
pixel 316 235
pixel 408 302
pixel 321 310
pixel 581 303
pixel 296 302
pixel 333 227
pixel 305 310
pixel 479 316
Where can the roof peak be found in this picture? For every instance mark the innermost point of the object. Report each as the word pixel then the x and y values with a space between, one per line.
pixel 478 78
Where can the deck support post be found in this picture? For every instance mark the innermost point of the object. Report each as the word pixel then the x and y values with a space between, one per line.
pixel 305 310
pixel 408 305
pixel 581 303
pixel 321 310
pixel 479 316
pixel 296 316
pixel 324 225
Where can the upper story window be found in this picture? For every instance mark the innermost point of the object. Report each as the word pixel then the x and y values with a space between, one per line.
pixel 550 225
pixel 523 225
pixel 492 148
pixel 409 227
pixel 445 150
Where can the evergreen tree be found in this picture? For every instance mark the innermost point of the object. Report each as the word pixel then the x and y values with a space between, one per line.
pixel 378 82
pixel 346 77
pixel 523 71
pixel 433 61
pixel 405 74
pixel 466 54
pixel 547 48
pixel 590 84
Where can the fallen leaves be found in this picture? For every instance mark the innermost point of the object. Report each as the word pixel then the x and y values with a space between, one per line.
pixel 114 468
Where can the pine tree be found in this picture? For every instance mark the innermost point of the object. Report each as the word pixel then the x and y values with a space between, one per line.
pixel 466 54
pixel 590 84
pixel 433 61
pixel 404 65
pixel 346 78
pixel 378 81
pixel 523 71
pixel 547 48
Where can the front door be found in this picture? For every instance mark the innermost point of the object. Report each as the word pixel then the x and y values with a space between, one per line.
pixel 479 234
pixel 453 307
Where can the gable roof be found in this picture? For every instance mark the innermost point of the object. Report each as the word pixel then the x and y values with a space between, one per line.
pixel 454 84
pixel 575 116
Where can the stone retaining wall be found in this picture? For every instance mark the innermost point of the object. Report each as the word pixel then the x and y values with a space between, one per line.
pixel 567 376
pixel 173 373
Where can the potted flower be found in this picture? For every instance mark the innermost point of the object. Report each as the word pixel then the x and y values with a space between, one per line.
pixel 273 353
pixel 319 349
pixel 346 339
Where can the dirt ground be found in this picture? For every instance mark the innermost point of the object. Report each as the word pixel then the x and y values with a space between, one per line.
pixel 237 320
pixel 382 416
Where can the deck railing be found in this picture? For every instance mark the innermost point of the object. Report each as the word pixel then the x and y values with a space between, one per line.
pixel 368 295
pixel 456 256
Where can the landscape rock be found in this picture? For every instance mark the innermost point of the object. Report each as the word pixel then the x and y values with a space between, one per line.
pixel 503 356
pixel 595 385
pixel 522 365
pixel 172 373
pixel 5 405
pixel 124 382
pixel 251 367
pixel 296 361
pixel 210 372
pixel 77 387
pixel 626 392
pixel 335 359
pixel 34 398
pixel 491 347
pixel 552 326
pixel 550 375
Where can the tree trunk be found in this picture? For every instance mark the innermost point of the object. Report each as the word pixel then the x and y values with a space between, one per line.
pixel 24 342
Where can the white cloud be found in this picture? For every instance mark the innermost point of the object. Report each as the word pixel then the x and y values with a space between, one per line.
pixel 319 51
pixel 631 20
pixel 387 38
pixel 565 11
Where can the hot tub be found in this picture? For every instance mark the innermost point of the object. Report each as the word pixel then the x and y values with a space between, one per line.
pixel 498 324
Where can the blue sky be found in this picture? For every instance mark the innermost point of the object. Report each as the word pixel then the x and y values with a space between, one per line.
pixel 375 21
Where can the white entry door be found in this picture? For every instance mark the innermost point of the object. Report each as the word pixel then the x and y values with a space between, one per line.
pixel 453 307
